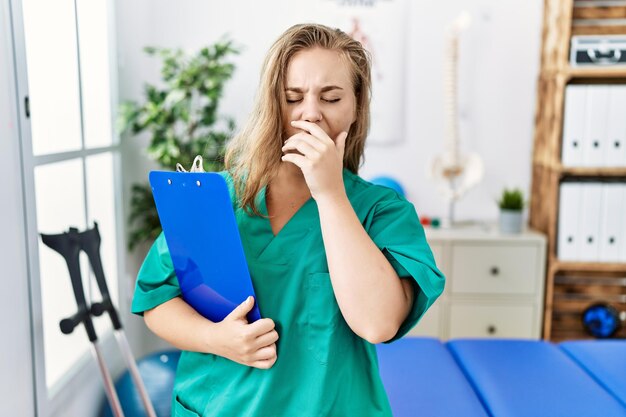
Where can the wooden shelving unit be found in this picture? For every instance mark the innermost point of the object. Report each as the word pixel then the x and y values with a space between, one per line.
pixel 592 172
pixel 570 286
pixel 559 266
pixel 600 73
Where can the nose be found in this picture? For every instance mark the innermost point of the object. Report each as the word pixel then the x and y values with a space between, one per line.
pixel 311 111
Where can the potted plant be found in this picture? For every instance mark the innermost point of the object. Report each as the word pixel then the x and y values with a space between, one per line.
pixel 511 205
pixel 182 120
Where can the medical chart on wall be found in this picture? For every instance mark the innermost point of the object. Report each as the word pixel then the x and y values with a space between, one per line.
pixel 368 21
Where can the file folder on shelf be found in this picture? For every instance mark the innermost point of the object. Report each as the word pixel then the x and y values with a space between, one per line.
pixel 590 222
pixel 611 238
pixel 573 125
pixel 594 126
pixel 201 232
pixel 594 140
pixel 622 228
pixel 615 151
pixel 570 199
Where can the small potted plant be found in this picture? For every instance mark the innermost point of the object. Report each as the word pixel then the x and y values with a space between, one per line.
pixel 511 209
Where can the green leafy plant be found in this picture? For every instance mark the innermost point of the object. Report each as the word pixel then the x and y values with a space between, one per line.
pixel 512 199
pixel 182 119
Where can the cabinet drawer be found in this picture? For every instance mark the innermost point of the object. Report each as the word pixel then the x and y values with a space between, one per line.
pixel 492 321
pixel 494 269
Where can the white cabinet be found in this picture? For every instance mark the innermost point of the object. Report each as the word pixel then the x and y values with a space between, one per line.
pixel 494 284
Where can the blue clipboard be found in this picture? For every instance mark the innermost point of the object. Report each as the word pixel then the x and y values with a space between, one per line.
pixel 201 232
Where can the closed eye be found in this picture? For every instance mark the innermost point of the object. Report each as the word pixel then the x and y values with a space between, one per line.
pixel 332 100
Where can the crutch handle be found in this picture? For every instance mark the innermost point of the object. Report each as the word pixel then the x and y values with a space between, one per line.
pixel 68 325
pixel 90 244
pixel 97 309
pixel 68 246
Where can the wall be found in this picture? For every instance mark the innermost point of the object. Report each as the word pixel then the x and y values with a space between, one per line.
pixel 499 61
pixel 499 64
pixel 16 378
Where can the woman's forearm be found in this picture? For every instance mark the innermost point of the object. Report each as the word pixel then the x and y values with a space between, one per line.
pixel 178 323
pixel 250 344
pixel 372 299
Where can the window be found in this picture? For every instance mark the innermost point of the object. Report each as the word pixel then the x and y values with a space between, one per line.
pixel 72 156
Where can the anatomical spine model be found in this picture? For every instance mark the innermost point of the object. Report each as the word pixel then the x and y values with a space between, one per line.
pixel 453 171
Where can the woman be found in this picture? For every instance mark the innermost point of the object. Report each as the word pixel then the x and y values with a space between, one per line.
pixel 338 264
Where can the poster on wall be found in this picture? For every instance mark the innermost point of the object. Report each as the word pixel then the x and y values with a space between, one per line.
pixel 380 25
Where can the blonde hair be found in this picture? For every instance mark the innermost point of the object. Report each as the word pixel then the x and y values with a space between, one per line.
pixel 253 156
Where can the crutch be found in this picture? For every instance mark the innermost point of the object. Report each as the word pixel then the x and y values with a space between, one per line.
pixel 90 244
pixel 69 245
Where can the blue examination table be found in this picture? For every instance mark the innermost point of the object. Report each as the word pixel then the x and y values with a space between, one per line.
pixel 504 378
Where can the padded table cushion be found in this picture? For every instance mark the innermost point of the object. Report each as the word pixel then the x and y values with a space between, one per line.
pixel 520 378
pixel 422 379
pixel 604 360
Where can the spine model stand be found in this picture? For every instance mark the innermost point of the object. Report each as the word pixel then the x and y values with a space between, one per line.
pixel 454 172
pixel 69 245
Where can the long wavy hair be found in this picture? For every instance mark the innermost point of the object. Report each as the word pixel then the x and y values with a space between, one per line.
pixel 253 156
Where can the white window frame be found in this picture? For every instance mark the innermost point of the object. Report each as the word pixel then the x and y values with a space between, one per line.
pixel 55 401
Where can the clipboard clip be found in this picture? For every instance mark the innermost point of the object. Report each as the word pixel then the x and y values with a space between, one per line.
pixel 196 166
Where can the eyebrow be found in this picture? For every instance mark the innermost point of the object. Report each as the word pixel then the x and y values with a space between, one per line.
pixel 324 89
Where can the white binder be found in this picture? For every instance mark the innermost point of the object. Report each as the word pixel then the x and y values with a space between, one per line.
pixel 611 237
pixel 615 149
pixel 570 198
pixel 622 230
pixel 590 222
pixel 573 125
pixel 594 139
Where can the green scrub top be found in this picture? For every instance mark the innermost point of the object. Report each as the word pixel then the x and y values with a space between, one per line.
pixel 323 367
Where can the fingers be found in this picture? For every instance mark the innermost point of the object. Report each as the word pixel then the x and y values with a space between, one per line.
pixel 240 312
pixel 251 344
pixel 261 326
pixel 341 143
pixel 267 364
pixel 257 335
pixel 301 146
pixel 265 358
pixel 313 141
pixel 264 354
pixel 313 129
pixel 267 339
pixel 298 160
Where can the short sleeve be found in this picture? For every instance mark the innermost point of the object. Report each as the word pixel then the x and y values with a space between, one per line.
pixel 156 281
pixel 396 230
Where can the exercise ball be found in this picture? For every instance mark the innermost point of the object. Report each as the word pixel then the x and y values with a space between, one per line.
pixel 601 320
pixel 157 371
pixel 389 182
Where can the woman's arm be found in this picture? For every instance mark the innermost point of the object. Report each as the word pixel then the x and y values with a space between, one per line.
pixel 249 344
pixel 372 299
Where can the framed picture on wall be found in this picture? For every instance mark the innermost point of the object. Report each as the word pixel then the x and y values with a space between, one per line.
pixel 381 26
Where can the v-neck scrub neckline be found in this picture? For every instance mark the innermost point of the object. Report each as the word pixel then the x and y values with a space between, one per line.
pixel 261 244
pixel 323 368
pixel 262 200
